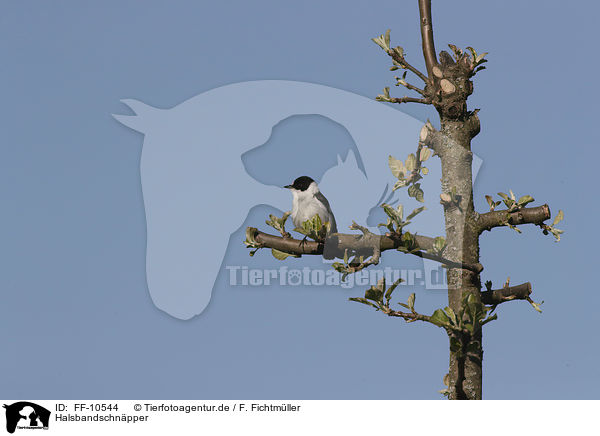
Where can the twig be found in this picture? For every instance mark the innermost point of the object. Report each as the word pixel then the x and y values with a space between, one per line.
pixel 401 60
pixel 431 138
pixel 427 35
pixel 413 88
pixel 526 215
pixel 408 316
pixel 371 239
pixel 410 100
pixel 506 293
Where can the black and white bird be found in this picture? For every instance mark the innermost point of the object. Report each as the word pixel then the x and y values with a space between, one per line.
pixel 309 201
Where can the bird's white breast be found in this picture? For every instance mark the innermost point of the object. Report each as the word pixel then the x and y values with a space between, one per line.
pixel 305 205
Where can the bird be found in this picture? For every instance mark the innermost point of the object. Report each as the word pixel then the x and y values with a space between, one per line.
pixel 307 201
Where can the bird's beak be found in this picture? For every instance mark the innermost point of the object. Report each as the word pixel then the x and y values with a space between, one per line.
pixel 288 186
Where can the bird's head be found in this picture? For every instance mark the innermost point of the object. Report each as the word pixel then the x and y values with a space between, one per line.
pixel 303 186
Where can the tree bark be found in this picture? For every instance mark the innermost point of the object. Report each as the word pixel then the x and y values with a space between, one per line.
pixel 462 237
pixel 450 85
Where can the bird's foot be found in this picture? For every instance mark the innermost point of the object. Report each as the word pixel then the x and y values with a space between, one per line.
pixel 303 241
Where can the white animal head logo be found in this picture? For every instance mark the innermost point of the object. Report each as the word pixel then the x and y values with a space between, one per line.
pixel 197 192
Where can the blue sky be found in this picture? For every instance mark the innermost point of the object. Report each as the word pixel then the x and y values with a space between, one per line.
pixel 76 313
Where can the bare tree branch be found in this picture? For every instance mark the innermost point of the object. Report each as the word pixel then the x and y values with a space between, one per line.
pixel 369 238
pixel 499 218
pixel 476 268
pixel 410 100
pixel 431 137
pixel 407 316
pixel 337 244
pixel 401 60
pixel 427 35
pixel 411 87
pixel 507 293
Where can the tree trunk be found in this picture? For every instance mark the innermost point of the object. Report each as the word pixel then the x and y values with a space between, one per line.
pixel 448 87
pixel 462 238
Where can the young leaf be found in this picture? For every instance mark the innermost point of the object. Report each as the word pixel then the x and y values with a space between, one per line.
pixel 395 215
pixel 378 42
pixel 364 301
pixel 400 211
pixel 490 318
pixel 280 255
pixel 411 162
pixel 388 294
pixel 439 244
pixel 415 212
pixel 411 302
pixel 504 196
pixel 424 154
pixel 382 41
pixel 457 51
pixel 408 242
pixel 559 217
pixel 451 315
pixel 399 184
pixel 412 190
pixel 316 222
pixel 556 233
pixel 509 202
pixel 516 229
pixel 419 194
pixel 439 318
pixel 473 53
pixel 479 59
pixel 536 306
pixel 374 294
pixel 397 167
pixel 339 267
pixel 278 223
pixel 526 199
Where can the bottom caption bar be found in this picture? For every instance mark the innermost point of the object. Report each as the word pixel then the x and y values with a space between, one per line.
pixel 144 417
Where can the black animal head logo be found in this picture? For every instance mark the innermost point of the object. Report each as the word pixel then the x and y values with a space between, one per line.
pixel 31 415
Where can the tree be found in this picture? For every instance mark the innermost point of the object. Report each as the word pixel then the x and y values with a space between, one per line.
pixel 447 86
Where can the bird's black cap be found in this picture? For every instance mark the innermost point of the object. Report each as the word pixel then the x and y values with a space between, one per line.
pixel 301 183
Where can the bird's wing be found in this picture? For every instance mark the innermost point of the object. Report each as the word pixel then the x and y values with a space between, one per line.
pixel 319 196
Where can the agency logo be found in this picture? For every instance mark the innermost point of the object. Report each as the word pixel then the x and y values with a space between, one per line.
pixel 25 415
pixel 202 173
